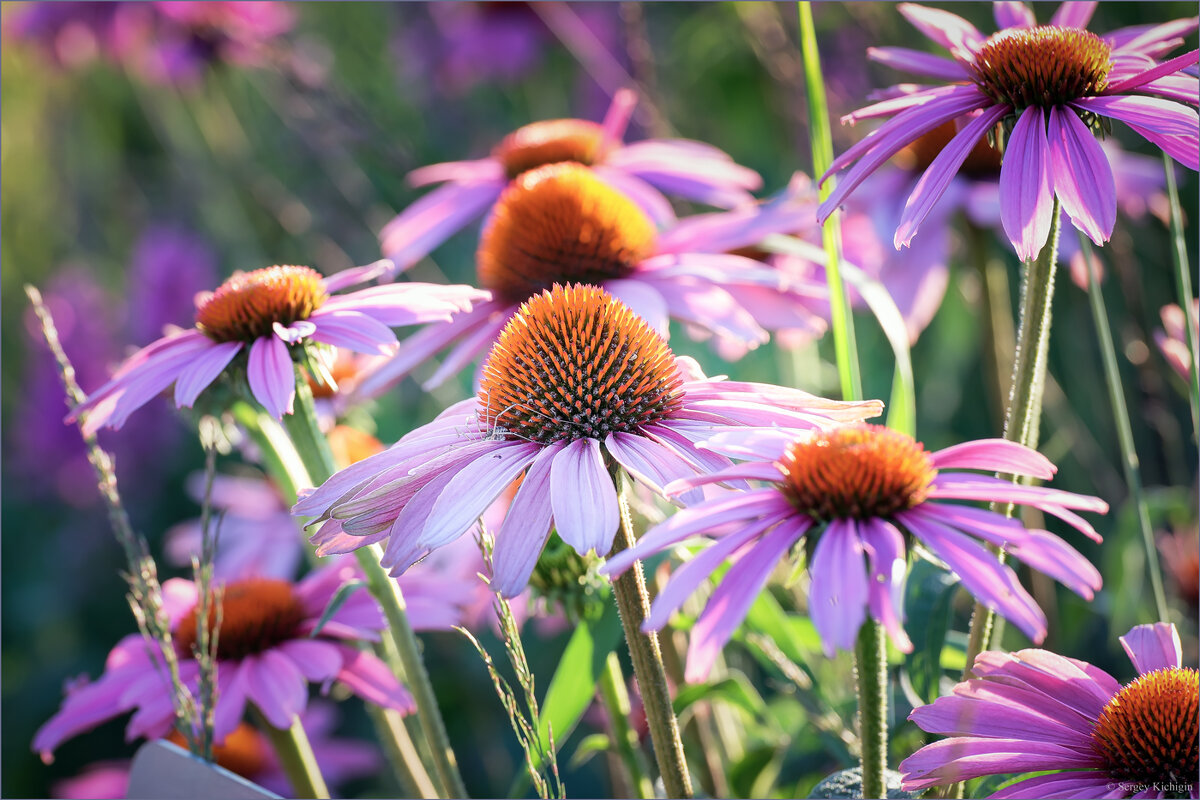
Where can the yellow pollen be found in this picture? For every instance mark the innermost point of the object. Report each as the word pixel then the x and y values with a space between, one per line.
pixel 856 472
pixel 561 224
pixel 1043 66
pixel 247 306
pixel 550 142
pixel 575 363
pixel 1149 732
pixel 256 614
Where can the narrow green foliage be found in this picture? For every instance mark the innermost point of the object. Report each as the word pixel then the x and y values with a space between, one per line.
pixel 1183 288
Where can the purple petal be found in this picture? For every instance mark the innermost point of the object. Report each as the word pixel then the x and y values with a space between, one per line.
pixel 317 661
pixel 919 63
pixel 1074 14
pixel 583 497
pixel 434 218
pixel 276 687
pixel 995 455
pixel 476 171
pixel 468 494
pixel 1163 116
pixel 523 534
pixel 889 566
pixel 645 301
pixel 203 370
pixel 1011 14
pixel 649 199
pixel 271 375
pixel 1181 148
pixel 1082 178
pixel 469 346
pixel 937 176
pixel 354 331
pixel 763 444
pixel 1157 71
pixel 837 596
pixel 965 486
pixel 369 678
pixel 709 307
pixel 1153 647
pixel 358 275
pixel 960 758
pixel 231 698
pixel 732 599
pixel 649 462
pixel 951 31
pixel 1081 689
pixel 1026 193
pixel 1091 783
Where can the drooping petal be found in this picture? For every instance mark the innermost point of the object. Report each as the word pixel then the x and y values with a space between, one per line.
pixel 937 176
pixel 649 199
pixel 963 757
pixel 1026 191
pixel 271 375
pixel 645 301
pixel 354 331
pixel 583 497
pixel 885 548
pixel 1069 783
pixel 732 599
pixel 202 371
pixel 1081 175
pixel 475 171
pixel 523 534
pixel 949 30
pixel 275 686
pixel 434 218
pixel 317 661
pixel 369 678
pixel 918 63
pixel 837 596
pixel 1153 647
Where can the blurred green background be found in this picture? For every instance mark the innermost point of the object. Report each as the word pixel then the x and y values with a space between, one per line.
pixel 301 158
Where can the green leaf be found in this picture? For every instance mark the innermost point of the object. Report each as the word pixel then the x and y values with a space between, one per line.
pixel 335 603
pixel 588 747
pixel 929 595
pixel 735 689
pixel 574 683
pixel 755 773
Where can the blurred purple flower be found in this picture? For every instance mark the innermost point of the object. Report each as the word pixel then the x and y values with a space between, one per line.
pixel 170 266
pixel 1172 338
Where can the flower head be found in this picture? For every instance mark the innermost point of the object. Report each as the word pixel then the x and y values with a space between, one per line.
pixel 1035 711
pixel 268 649
pixel 562 223
pixel 269 314
pixel 864 493
pixel 642 171
pixel 1045 86
pixel 577 386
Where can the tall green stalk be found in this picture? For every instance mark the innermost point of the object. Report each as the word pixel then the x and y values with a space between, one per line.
pixel 870 661
pixel 1183 288
pixel 1024 412
pixel 1129 457
pixel 317 458
pixel 296 756
pixel 634 604
pixel 625 742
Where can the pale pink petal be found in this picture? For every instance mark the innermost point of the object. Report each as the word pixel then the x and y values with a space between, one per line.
pixel 837 596
pixel 369 678
pixel 354 331
pixel 583 497
pixel 1026 191
pixel 951 31
pixel 434 218
pixel 271 375
pixel 1011 14
pixel 523 533
pixel 1153 647
pixel 995 455
pixel 276 687
pixel 1074 14
pixel 202 371
pixel 469 493
pixel 317 661
pixel 645 301
pixel 1082 178
pixel 475 171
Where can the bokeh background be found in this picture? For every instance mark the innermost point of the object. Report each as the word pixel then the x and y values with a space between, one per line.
pixel 132 181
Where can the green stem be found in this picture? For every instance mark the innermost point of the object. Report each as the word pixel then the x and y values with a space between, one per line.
pixel 625 741
pixel 295 756
pixel 841 320
pixel 402 752
pixel 634 605
pixel 317 458
pixel 870 669
pixel 1129 457
pixel 1183 287
pixel 1024 412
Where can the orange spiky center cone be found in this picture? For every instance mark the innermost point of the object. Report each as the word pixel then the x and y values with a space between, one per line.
pixel 256 615
pixel 247 306
pixel 1042 66
pixel 561 224
pixel 856 472
pixel 575 363
pixel 1149 732
pixel 549 142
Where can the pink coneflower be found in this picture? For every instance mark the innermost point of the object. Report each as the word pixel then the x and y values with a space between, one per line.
pixel 269 649
pixel 1036 711
pixel 576 386
pixel 266 314
pixel 1047 85
pixel 1172 338
pixel 863 490
pixel 561 224
pixel 691 170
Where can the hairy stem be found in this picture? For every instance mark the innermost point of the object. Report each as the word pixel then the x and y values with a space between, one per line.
pixel 870 670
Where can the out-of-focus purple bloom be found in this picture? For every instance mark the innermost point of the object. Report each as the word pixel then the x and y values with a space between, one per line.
pixel 248 753
pixel 1046 84
pixel 159 41
pixel 1172 338
pixel 170 266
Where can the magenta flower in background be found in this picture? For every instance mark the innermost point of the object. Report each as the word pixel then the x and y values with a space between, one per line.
pixel 269 649
pixel 263 314
pixel 561 224
pixel 1047 85
pixel 1036 711
pixel 861 489
pixel 248 753
pixel 169 267
pixel 1172 338
pixel 642 170
pixel 577 381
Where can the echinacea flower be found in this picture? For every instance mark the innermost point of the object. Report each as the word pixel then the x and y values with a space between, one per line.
pixel 1172 339
pixel 247 752
pixel 577 386
pixel 1036 711
pixel 642 170
pixel 266 314
pixel 562 223
pixel 862 491
pixel 268 650
pixel 1048 85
